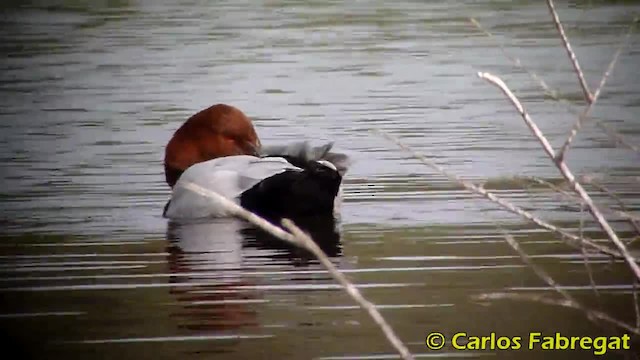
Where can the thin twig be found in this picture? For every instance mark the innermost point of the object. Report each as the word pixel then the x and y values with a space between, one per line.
pixel 626 214
pixel 574 60
pixel 617 138
pixel 547 89
pixel 355 294
pixel 238 211
pixel 546 146
pixel 558 302
pixel 632 220
pixel 572 239
pixel 585 257
pixel 587 111
pixel 297 237
pixel 546 277
pixel 541 273
pixel 565 171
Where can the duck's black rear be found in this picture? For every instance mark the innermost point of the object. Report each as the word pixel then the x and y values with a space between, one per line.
pixel 292 194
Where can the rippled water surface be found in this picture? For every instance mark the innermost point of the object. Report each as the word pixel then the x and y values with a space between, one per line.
pixel 90 94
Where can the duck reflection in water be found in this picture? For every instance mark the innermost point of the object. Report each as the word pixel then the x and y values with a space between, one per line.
pixel 216 263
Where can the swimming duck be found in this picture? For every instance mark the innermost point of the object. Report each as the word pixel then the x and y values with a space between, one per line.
pixel 282 181
pixel 220 130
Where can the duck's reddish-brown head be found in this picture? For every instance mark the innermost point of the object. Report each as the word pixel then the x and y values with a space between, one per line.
pixel 220 130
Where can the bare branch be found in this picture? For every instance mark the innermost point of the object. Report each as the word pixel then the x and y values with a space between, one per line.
pixel 585 113
pixel 297 237
pixel 566 172
pixel 574 60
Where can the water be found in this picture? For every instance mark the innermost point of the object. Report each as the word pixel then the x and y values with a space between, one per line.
pixel 90 94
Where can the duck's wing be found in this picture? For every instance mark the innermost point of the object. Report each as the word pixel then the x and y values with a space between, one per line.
pixel 304 152
pixel 228 176
pixel 259 169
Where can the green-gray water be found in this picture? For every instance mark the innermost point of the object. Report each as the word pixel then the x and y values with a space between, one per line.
pixel 90 94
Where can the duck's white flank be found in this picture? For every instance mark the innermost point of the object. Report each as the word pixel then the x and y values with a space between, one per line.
pixel 227 176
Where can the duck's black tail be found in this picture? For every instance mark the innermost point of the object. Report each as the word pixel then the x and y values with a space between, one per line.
pixel 293 194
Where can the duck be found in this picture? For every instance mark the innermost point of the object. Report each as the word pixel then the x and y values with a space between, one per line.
pixel 217 131
pixel 294 180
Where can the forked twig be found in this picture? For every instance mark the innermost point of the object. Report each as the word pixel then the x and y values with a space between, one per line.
pixel 574 60
pixel 565 171
pixel 297 237
pixel 549 91
pixel 587 110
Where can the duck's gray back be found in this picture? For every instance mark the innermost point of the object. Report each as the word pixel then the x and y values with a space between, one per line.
pixel 305 152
